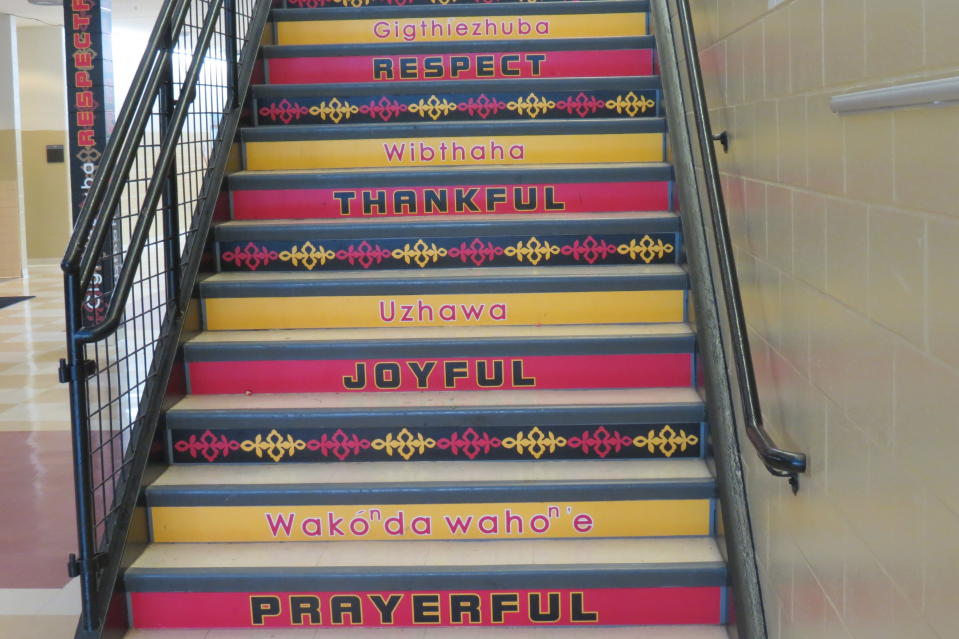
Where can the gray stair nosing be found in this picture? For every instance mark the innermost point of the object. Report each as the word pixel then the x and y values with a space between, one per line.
pixel 444 227
pixel 340 579
pixel 431 176
pixel 456 10
pixel 647 42
pixel 506 416
pixel 428 492
pixel 317 132
pixel 389 284
pixel 650 82
pixel 234 351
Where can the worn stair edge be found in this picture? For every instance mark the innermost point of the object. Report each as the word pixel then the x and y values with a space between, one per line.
pixel 316 132
pixel 464 342
pixel 448 176
pixel 511 280
pixel 415 474
pixel 456 86
pixel 428 492
pixel 646 42
pixel 420 632
pixel 446 225
pixel 456 10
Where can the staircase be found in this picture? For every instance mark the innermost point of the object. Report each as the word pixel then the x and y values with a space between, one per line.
pixel 445 377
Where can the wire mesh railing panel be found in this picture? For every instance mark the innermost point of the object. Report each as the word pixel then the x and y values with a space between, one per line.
pixel 133 250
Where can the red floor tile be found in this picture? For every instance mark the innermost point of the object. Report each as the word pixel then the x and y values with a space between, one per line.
pixel 37 529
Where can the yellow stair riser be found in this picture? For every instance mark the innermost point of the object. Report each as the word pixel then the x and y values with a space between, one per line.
pixel 461 29
pixel 558 519
pixel 488 309
pixel 454 151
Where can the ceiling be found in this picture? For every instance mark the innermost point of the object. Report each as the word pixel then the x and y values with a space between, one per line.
pixel 126 13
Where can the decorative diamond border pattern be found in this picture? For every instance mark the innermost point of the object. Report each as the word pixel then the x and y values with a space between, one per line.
pixel 418 253
pixel 278 444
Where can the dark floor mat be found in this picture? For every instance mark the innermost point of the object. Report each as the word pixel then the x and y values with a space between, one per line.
pixel 10 301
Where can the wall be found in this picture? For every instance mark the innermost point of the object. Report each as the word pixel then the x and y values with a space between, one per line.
pixel 846 231
pixel 11 198
pixel 43 122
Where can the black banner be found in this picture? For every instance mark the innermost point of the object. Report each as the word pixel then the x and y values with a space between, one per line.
pixel 89 68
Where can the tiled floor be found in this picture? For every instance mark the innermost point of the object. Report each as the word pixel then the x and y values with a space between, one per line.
pixel 37 599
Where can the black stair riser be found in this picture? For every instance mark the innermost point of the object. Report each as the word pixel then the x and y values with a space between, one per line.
pixel 313 252
pixel 240 444
pixel 444 106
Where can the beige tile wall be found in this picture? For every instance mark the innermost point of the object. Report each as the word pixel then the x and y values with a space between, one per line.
pixel 847 236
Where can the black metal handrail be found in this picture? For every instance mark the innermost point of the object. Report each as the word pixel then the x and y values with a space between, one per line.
pixel 778 461
pixel 145 220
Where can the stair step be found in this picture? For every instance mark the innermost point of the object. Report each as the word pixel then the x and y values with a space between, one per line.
pixel 651 581
pixel 469 100
pixel 324 146
pixel 432 500
pixel 444 358
pixel 446 297
pixel 458 23
pixel 360 6
pixel 467 192
pixel 639 632
pixel 451 61
pixel 459 426
pixel 447 242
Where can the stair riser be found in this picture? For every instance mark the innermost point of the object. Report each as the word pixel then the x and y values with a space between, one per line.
pixel 515 150
pixel 261 607
pixel 464 199
pixel 476 309
pixel 553 372
pixel 316 254
pixel 457 107
pixel 557 519
pixel 441 67
pixel 275 440
pixel 477 28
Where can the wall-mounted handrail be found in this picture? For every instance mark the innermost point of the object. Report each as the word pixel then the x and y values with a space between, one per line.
pixel 932 93
pixel 779 461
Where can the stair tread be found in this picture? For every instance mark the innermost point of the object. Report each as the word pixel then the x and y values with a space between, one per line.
pixel 506 272
pixel 419 11
pixel 563 168
pixel 452 86
pixel 430 554
pixel 439 471
pixel 423 130
pixel 445 399
pixel 428 334
pixel 459 220
pixel 635 632
pixel 647 41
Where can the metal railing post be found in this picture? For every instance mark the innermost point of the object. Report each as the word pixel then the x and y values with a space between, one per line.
pixel 170 196
pixel 76 370
pixel 233 77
